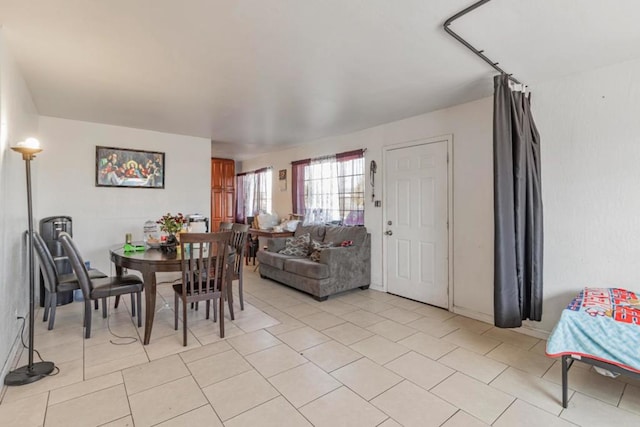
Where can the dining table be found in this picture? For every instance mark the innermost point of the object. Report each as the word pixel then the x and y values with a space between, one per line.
pixel 148 263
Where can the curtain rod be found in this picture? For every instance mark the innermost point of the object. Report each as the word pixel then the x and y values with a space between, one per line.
pixel 360 151
pixel 255 171
pixel 480 53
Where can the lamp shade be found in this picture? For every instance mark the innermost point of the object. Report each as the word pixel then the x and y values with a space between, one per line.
pixel 28 147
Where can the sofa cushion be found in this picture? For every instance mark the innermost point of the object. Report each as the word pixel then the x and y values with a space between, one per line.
pixel 340 234
pixel 306 268
pixel 297 246
pixel 273 259
pixel 317 248
pixel 315 231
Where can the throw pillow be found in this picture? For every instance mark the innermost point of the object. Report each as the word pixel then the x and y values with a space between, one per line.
pixel 317 248
pixel 297 246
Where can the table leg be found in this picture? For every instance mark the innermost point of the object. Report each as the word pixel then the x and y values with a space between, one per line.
pixel 149 278
pixel 119 274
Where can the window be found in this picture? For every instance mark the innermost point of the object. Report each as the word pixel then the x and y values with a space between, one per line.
pixel 330 190
pixel 254 193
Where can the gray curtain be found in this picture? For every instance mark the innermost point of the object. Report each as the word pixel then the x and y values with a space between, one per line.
pixel 517 208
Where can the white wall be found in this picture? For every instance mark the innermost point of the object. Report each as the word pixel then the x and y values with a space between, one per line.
pixel 101 216
pixel 18 120
pixel 590 127
pixel 471 126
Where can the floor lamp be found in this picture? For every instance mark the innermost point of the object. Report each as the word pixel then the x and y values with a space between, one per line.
pixel 33 371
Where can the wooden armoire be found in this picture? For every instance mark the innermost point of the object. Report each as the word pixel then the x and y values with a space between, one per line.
pixel 223 192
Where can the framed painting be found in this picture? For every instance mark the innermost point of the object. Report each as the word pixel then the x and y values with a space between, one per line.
pixel 123 167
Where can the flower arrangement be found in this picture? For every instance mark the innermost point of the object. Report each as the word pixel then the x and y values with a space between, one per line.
pixel 171 223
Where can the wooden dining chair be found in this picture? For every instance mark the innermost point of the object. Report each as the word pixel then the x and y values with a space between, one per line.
pixel 54 282
pixel 94 289
pixel 225 226
pixel 239 243
pixel 205 263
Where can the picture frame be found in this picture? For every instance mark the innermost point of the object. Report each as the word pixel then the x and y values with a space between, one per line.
pixel 129 168
pixel 282 174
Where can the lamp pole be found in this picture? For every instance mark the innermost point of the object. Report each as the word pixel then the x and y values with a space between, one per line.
pixel 32 371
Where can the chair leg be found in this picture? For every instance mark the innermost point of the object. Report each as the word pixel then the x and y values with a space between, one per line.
pixel 84 319
pixel 215 310
pixel 221 317
pixel 240 295
pixel 139 301
pixel 184 322
pixel 229 301
pixel 175 310
pixel 207 305
pixel 104 308
pixel 133 306
pixel 95 304
pixel 87 319
pixel 53 302
pixel 117 303
pixel 47 301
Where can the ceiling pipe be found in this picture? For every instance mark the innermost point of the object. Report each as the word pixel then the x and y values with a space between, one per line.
pixel 468 45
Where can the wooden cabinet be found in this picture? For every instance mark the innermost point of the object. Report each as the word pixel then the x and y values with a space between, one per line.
pixel 223 192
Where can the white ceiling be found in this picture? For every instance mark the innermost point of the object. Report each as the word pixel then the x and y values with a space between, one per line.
pixel 254 74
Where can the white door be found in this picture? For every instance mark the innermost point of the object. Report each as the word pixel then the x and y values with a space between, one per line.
pixel 416 240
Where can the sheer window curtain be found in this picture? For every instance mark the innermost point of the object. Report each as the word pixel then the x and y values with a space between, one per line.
pixel 517 208
pixel 351 187
pixel 254 193
pixel 330 189
pixel 240 199
pixel 322 203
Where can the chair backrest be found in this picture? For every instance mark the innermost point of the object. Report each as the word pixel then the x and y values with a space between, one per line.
pixel 77 264
pixel 226 226
pixel 239 243
pixel 47 264
pixel 204 261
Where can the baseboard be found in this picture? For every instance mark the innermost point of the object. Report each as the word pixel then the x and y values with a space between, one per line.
pixel 376 287
pixel 534 332
pixel 483 317
pixel 472 314
pixel 12 360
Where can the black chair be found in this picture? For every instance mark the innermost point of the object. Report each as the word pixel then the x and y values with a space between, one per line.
pixel 239 243
pixel 55 282
pixel 205 264
pixel 94 289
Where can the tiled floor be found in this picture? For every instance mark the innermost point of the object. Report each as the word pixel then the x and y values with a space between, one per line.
pixel 363 358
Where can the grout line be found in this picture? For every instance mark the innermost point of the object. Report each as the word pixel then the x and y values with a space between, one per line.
pixel 184 413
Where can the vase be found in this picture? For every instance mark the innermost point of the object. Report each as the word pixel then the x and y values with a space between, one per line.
pixel 169 246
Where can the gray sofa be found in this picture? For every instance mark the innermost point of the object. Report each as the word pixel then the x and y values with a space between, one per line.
pixel 339 269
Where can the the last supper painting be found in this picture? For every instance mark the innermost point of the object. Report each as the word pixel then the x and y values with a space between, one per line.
pixel 122 167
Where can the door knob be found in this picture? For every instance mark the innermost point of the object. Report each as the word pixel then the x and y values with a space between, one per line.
pixel 388 233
